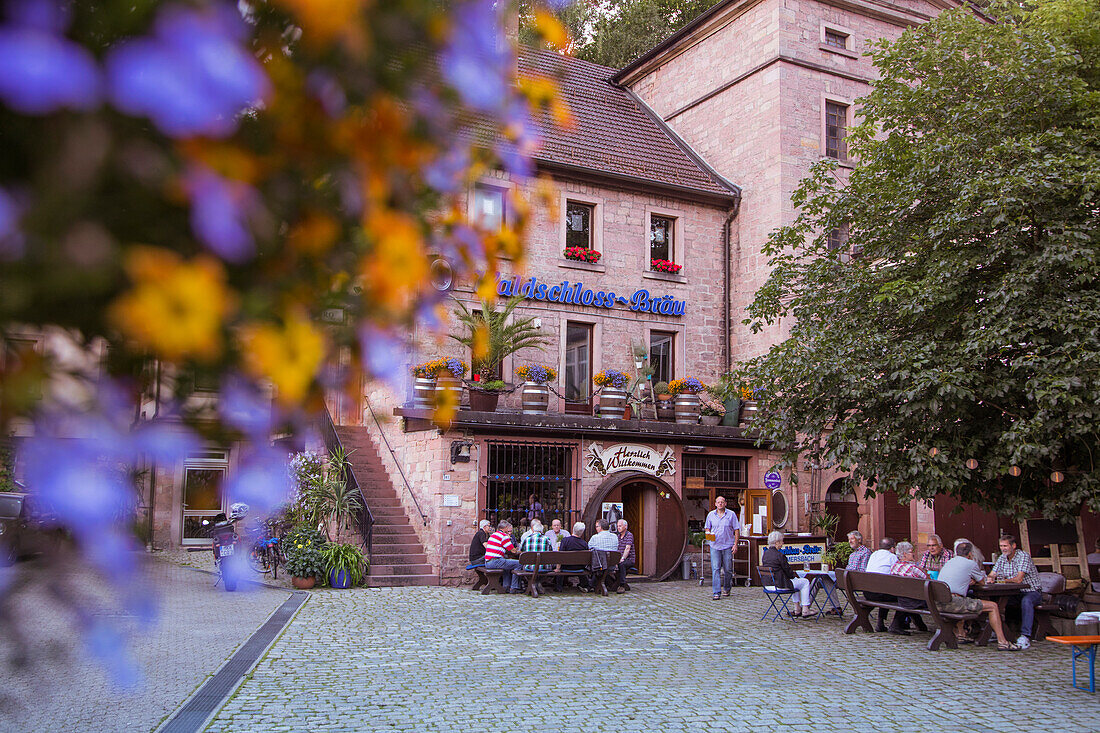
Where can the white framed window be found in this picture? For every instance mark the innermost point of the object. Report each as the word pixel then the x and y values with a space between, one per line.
pixel 488 206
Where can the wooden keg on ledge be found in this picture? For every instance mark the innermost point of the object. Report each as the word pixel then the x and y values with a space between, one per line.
pixel 612 403
pixel 687 408
pixel 535 398
pixel 423 392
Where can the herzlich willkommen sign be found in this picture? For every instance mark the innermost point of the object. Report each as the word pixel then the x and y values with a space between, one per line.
pixel 627 457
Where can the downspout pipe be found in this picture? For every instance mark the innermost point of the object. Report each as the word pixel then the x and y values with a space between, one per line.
pixel 727 285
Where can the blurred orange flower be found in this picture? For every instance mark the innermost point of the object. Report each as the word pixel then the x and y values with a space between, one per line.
pixel 288 355
pixel 397 265
pixel 176 309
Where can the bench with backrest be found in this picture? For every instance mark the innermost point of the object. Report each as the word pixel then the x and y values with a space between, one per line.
pixel 549 565
pixel 932 592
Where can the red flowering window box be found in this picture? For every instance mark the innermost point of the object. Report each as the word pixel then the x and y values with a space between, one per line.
pixel 665 266
pixel 582 254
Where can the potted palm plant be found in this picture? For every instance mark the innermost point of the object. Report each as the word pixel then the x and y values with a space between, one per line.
pixel 491 334
pixel 345 565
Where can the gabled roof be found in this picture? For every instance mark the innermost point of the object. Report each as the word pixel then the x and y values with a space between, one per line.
pixel 616 135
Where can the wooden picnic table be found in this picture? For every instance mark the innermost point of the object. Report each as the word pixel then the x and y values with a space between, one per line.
pixel 1001 593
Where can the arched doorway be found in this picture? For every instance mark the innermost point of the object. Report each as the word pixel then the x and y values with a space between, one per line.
pixel 840 501
pixel 655 514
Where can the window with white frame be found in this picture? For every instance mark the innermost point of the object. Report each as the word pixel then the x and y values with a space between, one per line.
pixel 488 205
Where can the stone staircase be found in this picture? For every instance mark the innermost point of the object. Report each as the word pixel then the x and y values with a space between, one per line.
pixel 397 558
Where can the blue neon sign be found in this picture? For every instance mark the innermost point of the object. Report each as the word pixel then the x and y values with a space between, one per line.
pixel 565 292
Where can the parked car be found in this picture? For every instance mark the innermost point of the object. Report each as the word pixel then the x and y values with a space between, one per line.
pixel 24 529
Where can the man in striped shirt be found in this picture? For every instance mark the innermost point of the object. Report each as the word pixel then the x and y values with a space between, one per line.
pixel 497 547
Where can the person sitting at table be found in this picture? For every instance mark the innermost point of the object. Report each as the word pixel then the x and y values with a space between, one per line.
pixel 1016 566
pixel 975 552
pixel 907 567
pixel 497 547
pixel 783 576
pixel 572 543
pixel 556 534
pixel 880 561
pixel 535 541
pixel 959 573
pixel 857 561
pixel 935 556
pixel 477 544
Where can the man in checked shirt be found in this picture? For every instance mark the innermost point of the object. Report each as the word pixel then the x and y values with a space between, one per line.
pixel 1016 566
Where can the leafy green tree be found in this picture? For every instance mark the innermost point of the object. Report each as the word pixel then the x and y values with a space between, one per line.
pixel 615 32
pixel 957 318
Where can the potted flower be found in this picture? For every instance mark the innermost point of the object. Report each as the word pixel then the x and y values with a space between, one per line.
pixel 424 382
pixel 612 384
pixel 727 390
pixel 711 410
pixel 449 377
pixel 750 397
pixel 659 265
pixel 582 254
pixel 305 564
pixel 344 565
pixel 665 410
pixel 686 404
pixel 536 395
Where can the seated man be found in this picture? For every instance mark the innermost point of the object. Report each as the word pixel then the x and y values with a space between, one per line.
pixel 906 566
pixel 1016 566
pixel 959 573
pixel 556 534
pixel 880 561
pixel 572 543
pixel 935 556
pixel 604 541
pixel 477 544
pixel 626 550
pixel 535 541
pixel 860 553
pixel 497 547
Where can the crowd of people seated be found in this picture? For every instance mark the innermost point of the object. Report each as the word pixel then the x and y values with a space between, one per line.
pixel 499 550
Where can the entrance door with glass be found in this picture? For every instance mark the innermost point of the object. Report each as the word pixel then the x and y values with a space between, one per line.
pixel 203 493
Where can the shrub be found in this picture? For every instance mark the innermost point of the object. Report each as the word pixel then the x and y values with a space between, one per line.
pixel 306 561
pixel 661 388
pixel 346 557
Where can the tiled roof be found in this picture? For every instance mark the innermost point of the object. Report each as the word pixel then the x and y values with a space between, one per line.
pixel 614 133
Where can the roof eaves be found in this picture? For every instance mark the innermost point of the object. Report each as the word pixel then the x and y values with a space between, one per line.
pixel 726 199
pixel 672 40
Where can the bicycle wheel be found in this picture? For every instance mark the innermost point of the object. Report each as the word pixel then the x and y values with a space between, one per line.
pixel 259 559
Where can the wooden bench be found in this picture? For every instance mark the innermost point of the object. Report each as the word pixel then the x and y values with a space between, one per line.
pixel 489 579
pixel 1082 647
pixel 932 592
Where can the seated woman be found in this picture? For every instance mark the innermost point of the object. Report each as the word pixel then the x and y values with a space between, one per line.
pixel 784 577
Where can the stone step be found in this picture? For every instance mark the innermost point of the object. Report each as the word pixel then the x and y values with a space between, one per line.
pixel 397 558
pixel 398 581
pixel 409 569
pixel 398 548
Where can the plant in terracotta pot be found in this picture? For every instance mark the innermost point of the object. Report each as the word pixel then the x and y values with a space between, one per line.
pixel 345 565
pixel 484 395
pixel 306 565
pixel 665 410
pixel 711 410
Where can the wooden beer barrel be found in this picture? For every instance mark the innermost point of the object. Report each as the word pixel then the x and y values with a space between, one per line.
pixel 423 392
pixel 687 407
pixel 449 383
pixel 748 411
pixel 534 398
pixel 612 403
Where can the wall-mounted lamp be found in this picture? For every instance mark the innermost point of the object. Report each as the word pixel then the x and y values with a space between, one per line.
pixel 694 448
pixel 460 451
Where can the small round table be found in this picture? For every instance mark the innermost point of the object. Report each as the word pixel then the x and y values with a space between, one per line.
pixel 1002 593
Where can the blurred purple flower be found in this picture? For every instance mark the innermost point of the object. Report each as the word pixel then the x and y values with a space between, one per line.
pixel 476 58
pixel 162 444
pixel 328 92
pixel 469 240
pixel 244 406
pixel 192 77
pixel 445 174
pixel 383 354
pixel 48 16
pixel 557 4
pixel 220 209
pixel 41 72
pixel 11 238
pixel 261 481
pixel 107 644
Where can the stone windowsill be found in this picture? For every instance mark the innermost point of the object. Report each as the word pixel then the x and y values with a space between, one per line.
pixel 838 51
pixel 667 277
pixel 849 164
pixel 577 265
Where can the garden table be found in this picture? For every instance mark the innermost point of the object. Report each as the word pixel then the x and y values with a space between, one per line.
pixel 1002 593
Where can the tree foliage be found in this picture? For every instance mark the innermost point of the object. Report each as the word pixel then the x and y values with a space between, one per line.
pixel 959 320
pixel 615 32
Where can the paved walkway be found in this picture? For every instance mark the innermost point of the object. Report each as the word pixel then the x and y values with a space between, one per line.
pixel 661 658
pixel 60 689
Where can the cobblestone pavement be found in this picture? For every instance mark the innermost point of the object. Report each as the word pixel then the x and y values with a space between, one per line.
pixel 663 657
pixel 198 628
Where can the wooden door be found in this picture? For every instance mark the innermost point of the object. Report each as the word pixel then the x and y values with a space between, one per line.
pixel 896 517
pixel 848 514
pixel 671 534
pixel 978 525
pixel 634 515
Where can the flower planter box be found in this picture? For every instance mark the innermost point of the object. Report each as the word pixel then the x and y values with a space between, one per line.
pixel 748 411
pixel 449 384
pixel 483 401
pixel 710 419
pixel 665 410
pixel 423 392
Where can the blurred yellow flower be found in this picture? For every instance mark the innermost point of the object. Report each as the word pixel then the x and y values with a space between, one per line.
pixel 397 265
pixel 175 308
pixel 551 29
pixel 289 355
pixel 543 94
pixel 314 234
pixel 323 20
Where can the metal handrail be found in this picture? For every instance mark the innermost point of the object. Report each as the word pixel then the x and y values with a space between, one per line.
pixel 365 519
pixel 396 462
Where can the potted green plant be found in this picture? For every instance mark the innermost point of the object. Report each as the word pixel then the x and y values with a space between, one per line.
pixel 826 524
pixel 711 410
pixel 305 564
pixel 837 555
pixel 345 565
pixel 665 410
pixel 727 390
pixel 686 405
pixel 612 384
pixel 535 397
pixel 485 395
pixel 492 333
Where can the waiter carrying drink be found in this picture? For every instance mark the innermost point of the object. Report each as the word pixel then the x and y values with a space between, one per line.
pixel 723 530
